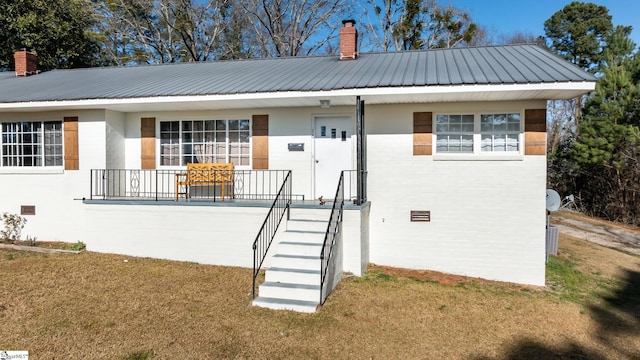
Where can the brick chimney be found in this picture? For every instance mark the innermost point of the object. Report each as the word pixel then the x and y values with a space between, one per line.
pixel 26 63
pixel 348 40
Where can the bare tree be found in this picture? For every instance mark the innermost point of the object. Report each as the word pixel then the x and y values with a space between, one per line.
pixel 482 37
pixel 292 27
pixel 200 26
pixel 163 31
pixel 379 18
pixel 394 25
pixel 138 31
pixel 448 26
pixel 521 37
pixel 238 41
pixel 561 122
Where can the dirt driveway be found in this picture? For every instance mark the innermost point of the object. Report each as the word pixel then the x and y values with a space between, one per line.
pixel 610 234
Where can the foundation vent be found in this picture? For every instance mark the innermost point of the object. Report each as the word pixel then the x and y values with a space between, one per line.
pixel 420 215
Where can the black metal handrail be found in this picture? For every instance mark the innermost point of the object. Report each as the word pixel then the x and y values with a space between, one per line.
pixel 160 185
pixel 331 239
pixel 355 186
pixel 280 206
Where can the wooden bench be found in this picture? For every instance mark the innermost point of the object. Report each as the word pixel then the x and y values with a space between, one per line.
pixel 205 175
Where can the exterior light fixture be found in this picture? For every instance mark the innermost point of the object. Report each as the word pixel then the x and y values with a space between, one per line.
pixel 325 104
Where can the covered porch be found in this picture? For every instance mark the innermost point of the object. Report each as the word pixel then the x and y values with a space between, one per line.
pixel 258 187
pixel 305 245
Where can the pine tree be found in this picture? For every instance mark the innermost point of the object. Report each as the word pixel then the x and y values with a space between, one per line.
pixel 579 32
pixel 607 151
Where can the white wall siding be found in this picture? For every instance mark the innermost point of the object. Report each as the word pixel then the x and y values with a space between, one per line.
pixel 286 127
pixel 133 146
pixel 56 193
pixel 205 234
pixel 293 125
pixel 92 139
pixel 115 140
pixel 487 217
pixel 355 240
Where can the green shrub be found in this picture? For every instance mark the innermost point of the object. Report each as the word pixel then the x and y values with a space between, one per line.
pixel 78 246
pixel 13 225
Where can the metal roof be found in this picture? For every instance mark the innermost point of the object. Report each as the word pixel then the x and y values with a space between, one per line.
pixel 508 64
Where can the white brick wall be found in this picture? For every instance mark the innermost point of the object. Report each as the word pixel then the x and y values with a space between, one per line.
pixel 286 126
pixel 55 193
pixel 115 140
pixel 205 234
pixel 355 229
pixel 487 217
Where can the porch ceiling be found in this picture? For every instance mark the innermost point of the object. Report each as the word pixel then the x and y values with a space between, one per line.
pixel 371 96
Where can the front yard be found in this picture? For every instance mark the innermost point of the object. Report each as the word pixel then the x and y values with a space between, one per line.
pixel 93 306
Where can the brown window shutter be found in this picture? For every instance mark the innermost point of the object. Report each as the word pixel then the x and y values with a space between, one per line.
pixel 260 141
pixel 148 143
pixel 535 132
pixel 422 133
pixel 71 154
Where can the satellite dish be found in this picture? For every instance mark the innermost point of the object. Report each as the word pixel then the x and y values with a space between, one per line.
pixel 553 200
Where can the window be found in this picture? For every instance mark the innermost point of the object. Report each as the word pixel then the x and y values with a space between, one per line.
pixel 478 133
pixel 204 141
pixel 500 132
pixel 31 143
pixel 455 133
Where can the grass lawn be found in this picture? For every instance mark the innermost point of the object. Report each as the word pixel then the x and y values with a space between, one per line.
pixel 97 306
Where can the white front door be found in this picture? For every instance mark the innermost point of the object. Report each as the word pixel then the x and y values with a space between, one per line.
pixel 333 153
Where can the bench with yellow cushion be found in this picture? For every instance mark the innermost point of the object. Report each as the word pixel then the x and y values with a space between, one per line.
pixel 204 174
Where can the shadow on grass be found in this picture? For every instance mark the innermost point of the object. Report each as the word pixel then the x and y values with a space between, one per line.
pixel 618 315
pixel 529 349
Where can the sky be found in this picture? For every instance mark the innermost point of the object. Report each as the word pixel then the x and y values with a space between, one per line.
pixel 528 16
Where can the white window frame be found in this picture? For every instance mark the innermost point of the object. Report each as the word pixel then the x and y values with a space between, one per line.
pixel 457 133
pixel 42 144
pixel 477 153
pixel 181 143
pixel 502 133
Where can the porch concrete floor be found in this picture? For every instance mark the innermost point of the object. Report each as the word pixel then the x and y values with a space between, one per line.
pixel 295 204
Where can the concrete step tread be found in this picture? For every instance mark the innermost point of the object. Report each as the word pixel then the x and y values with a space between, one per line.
pixel 300 271
pixel 301 257
pixel 290 285
pixel 309 262
pixel 307 238
pixel 296 305
pixel 305 232
pixel 300 243
pixel 310 215
pixel 310 220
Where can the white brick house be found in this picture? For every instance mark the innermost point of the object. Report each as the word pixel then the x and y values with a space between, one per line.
pixel 457 135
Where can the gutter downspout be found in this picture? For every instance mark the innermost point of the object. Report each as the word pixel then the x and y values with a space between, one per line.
pixel 361 155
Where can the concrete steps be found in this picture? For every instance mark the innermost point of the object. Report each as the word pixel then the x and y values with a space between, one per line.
pixel 292 281
pixel 313 225
pixel 292 275
pixel 303 262
pixel 280 304
pixel 290 291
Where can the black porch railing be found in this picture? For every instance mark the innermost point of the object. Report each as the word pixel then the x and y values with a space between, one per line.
pixel 281 205
pixel 332 243
pixel 160 185
pixel 355 187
